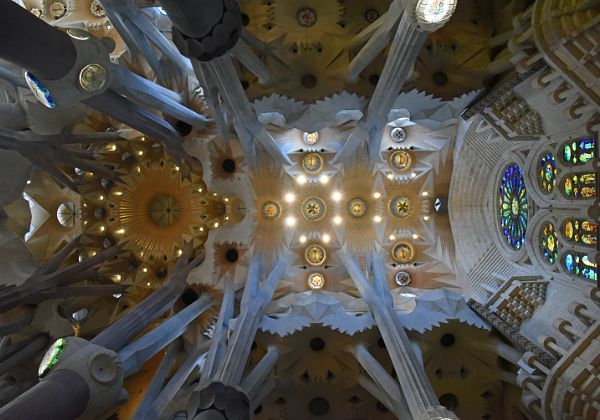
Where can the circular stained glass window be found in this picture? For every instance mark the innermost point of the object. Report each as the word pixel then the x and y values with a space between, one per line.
pixel 513 209
pixel 403 252
pixel 270 210
pixel 306 17
pixel 549 243
pixel 315 255
pixel 313 209
pixel 357 207
pixel 398 135
pixel 547 172
pixel 312 163
pixel 311 138
pixel 39 91
pixel 403 278
pixel 51 357
pixel 400 160
pixel 400 207
pixel 316 281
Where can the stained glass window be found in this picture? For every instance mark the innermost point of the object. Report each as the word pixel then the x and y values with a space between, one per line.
pixel 580 231
pixel 547 172
pixel 580 265
pixel 549 243
pixel 580 185
pixel 512 206
pixel 579 152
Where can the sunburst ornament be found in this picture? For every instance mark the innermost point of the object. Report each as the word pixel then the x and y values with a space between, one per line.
pixel 157 210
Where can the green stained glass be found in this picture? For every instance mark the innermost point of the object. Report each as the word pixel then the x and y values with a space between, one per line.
pixel 579 152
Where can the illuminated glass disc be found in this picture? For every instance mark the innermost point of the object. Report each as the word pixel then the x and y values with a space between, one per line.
pixel 316 281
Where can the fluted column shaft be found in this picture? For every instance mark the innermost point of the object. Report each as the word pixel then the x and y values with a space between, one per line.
pixel 63 395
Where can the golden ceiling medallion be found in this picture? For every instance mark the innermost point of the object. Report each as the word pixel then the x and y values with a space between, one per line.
pixel 400 160
pixel 357 207
pixel 314 209
pixel 312 163
pixel 270 210
pixel 403 252
pixel 158 211
pixel 316 281
pixel 315 255
pixel 400 207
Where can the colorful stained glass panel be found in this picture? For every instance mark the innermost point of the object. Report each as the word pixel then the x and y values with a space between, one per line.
pixel 580 265
pixel 513 209
pixel 579 152
pixel 549 243
pixel 580 185
pixel 547 172
pixel 580 231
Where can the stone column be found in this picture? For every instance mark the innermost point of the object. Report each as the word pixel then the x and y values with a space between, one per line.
pixel 136 320
pixel 90 389
pixel 251 384
pixel 416 388
pixel 222 374
pixel 384 381
pixel 231 368
pixel 407 44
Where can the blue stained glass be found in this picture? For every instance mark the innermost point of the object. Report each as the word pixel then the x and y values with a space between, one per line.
pixel 513 209
pixel 580 151
pixel 580 265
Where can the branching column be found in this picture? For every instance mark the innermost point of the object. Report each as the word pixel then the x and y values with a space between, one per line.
pixel 416 388
pixel 407 44
pixel 224 367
